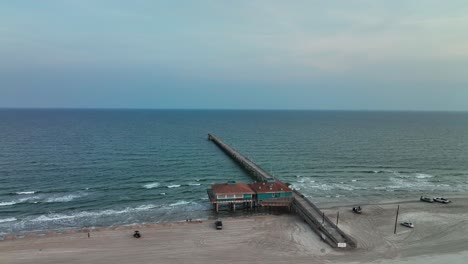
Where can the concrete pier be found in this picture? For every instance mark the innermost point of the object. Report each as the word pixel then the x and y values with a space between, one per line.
pixel 311 214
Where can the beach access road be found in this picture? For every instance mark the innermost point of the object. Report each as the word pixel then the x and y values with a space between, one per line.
pixel 439 236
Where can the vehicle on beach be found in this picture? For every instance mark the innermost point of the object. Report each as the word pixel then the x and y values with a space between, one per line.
pixel 426 199
pixel 442 200
pixel 357 209
pixel 219 224
pixel 407 224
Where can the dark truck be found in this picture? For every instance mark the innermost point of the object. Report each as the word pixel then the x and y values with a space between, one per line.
pixel 219 224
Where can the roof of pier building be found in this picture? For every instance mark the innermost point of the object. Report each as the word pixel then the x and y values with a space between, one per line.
pixel 269 187
pixel 232 187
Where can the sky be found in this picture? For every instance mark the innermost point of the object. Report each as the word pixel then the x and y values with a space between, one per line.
pixel 340 55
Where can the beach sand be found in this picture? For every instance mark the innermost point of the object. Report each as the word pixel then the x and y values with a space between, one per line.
pixel 440 235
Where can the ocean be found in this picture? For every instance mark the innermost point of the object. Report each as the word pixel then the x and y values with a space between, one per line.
pixel 62 169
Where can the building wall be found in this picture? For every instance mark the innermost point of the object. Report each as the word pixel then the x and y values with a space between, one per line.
pixel 264 196
pixel 231 197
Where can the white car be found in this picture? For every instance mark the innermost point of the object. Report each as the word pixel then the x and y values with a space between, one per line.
pixel 442 200
pixel 407 224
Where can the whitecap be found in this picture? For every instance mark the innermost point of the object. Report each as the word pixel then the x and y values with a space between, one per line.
pixel 7 203
pixel 423 176
pixel 162 193
pixel 354 180
pixel 145 207
pixel 151 185
pixel 173 186
pixel 345 187
pixel 63 199
pixel 26 192
pixel 22 200
pixel 10 219
pixel 195 184
pixel 52 217
pixel 179 203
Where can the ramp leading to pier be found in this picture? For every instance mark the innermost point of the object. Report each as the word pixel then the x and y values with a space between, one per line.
pixel 311 214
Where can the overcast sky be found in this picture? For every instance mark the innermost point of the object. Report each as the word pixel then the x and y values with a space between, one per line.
pixel 369 55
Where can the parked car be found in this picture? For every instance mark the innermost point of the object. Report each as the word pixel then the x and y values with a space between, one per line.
pixel 426 199
pixel 442 200
pixel 219 224
pixel 407 224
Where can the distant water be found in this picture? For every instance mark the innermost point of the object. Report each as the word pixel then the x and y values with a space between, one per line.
pixel 64 169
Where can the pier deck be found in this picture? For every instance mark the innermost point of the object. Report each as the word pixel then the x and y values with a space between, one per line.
pixel 311 214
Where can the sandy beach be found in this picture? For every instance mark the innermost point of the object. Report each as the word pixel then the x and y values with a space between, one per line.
pixel 440 234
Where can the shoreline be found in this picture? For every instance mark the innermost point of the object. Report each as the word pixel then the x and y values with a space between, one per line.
pixel 324 206
pixel 439 234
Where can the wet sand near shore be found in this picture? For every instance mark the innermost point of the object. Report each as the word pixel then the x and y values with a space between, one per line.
pixel 440 234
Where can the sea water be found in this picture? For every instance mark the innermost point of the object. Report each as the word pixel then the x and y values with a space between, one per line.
pixel 62 169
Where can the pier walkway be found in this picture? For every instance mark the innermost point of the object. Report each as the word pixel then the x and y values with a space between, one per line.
pixel 310 213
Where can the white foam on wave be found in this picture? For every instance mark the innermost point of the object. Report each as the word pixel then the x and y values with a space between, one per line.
pixel 179 203
pixel 58 217
pixel 354 180
pixel 345 187
pixel 151 185
pixel 194 184
pixel 7 203
pixel 10 219
pixel 145 207
pixel 26 192
pixel 63 199
pixel 423 176
pixel 162 193
pixel 173 186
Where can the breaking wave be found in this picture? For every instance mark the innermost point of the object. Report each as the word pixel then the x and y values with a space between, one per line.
pixel 173 186
pixel 179 203
pixel 87 214
pixel 10 219
pixel 27 192
pixel 423 176
pixel 63 199
pixel 7 203
pixel 151 185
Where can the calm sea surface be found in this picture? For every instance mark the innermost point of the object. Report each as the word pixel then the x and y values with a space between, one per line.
pixel 64 169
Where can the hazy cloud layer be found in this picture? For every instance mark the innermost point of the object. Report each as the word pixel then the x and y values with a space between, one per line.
pixel 235 54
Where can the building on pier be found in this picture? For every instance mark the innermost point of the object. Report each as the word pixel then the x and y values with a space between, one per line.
pixel 231 194
pixel 272 193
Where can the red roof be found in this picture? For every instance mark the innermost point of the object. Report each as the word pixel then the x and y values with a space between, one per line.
pixel 237 188
pixel 270 187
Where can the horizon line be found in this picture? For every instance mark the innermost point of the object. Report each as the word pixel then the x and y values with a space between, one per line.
pixel 226 109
